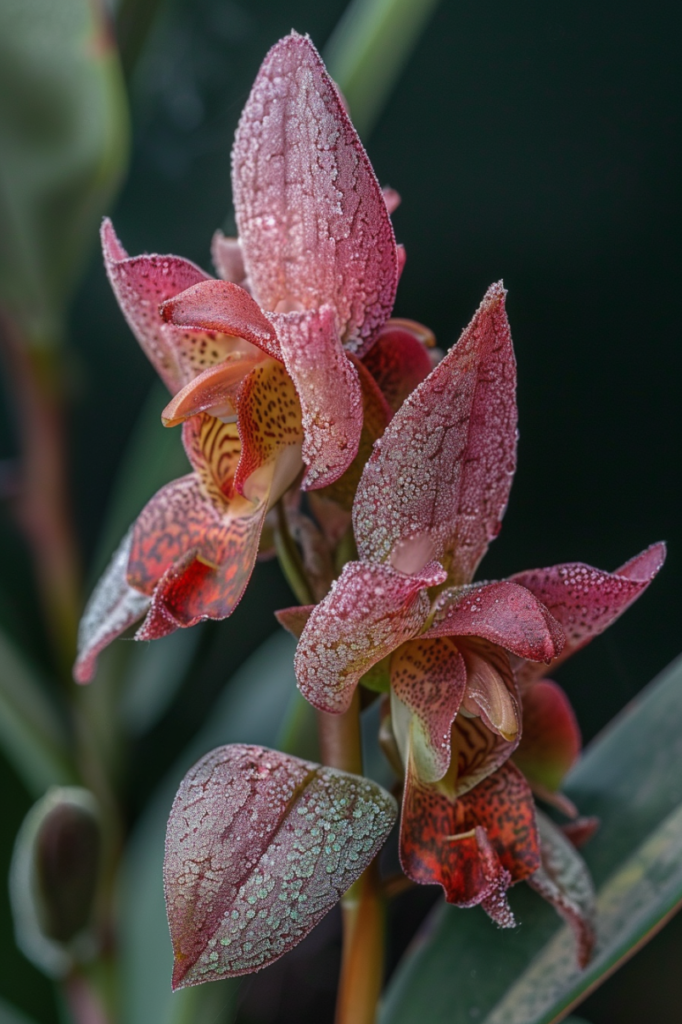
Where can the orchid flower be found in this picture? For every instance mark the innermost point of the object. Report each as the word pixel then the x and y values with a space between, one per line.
pixel 430 500
pixel 264 363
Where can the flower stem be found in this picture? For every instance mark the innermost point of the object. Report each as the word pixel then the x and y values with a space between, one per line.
pixel 362 960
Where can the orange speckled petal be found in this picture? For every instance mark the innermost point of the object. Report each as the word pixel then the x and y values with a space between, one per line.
pixel 214 449
pixel 329 390
pixel 271 432
pixel 550 743
pixel 225 308
pixel 586 601
pixel 476 846
pixel 369 612
pixel 312 220
pixel 437 483
pixel 141 284
pixel 398 360
pixel 504 613
pixel 428 678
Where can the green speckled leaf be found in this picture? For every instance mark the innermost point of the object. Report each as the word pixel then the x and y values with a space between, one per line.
pixel 631 777
pixel 260 845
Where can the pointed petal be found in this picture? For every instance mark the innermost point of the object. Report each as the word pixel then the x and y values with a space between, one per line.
pixel 141 284
pixel 214 391
pixel 439 478
pixel 369 611
pixel 580 831
pixel 399 360
pixel 586 601
pixel 329 390
pixel 504 613
pixel 294 619
pixel 312 219
pixel 270 431
pixel 428 679
pixel 475 847
pixel 225 308
pixel 246 876
pixel 113 606
pixel 391 198
pixel 376 416
pixel 564 881
pixel 228 258
pixel 551 743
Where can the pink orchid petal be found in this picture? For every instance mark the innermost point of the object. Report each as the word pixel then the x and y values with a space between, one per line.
pixel 214 391
pixel 228 258
pixel 141 284
pixel 504 613
pixel 428 678
pixel 295 618
pixel 550 744
pixel 475 846
pixel 112 608
pixel 438 481
pixel 260 845
pixel 564 881
pixel 329 390
pixel 312 219
pixel 369 611
pixel 225 308
pixel 585 601
pixel 398 360
pixel 391 198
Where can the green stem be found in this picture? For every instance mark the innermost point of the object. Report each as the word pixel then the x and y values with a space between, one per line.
pixel 362 960
pixel 290 560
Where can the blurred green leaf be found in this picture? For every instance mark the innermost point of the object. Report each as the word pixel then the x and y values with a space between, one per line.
pixel 8 1015
pixel 368 50
pixel 154 456
pixel 64 143
pixel 31 734
pixel 631 778
pixel 250 710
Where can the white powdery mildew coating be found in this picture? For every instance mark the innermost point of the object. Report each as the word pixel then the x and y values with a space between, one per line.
pixel 370 610
pixel 564 880
pixel 260 846
pixel 113 606
pixel 445 464
pixel 328 388
pixel 141 284
pixel 312 219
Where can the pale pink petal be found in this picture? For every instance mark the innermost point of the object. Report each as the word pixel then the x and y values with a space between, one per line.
pixel 112 608
pixel 391 198
pixel 260 845
pixel 329 390
pixel 312 219
pixel 141 284
pixel 586 601
pixel 225 308
pixel 370 610
pixel 438 481
pixel 228 258
pixel 504 613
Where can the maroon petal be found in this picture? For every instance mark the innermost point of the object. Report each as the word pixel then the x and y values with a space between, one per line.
pixel 312 219
pixel 586 601
pixel 370 610
pixel 504 613
pixel 438 481
pixel 550 744
pixel 399 359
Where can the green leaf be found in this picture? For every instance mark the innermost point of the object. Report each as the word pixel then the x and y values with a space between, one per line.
pixel 8 1015
pixel 64 142
pixel 368 50
pixel 251 710
pixel 32 736
pixel 631 778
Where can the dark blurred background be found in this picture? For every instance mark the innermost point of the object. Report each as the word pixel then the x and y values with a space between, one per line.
pixel 538 143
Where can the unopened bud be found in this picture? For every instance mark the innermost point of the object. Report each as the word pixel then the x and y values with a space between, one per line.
pixel 53 879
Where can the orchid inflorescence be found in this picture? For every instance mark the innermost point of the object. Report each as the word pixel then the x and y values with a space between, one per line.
pixel 309 414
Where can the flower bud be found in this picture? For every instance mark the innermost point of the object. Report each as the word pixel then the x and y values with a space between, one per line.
pixel 53 879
